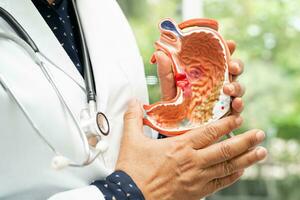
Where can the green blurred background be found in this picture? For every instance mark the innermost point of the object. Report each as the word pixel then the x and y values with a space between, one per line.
pixel 267 33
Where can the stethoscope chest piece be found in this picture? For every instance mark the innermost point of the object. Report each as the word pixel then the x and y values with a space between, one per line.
pixel 94 123
pixel 102 123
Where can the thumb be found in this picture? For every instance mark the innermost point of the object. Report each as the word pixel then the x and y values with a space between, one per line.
pixel 133 118
pixel 165 76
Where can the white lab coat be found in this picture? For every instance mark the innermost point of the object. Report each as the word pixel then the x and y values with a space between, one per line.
pixel 25 171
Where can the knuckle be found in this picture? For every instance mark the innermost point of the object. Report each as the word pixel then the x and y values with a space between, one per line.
pixel 201 161
pixel 231 125
pixel 225 150
pixel 211 132
pixel 194 160
pixel 187 184
pixel 238 87
pixel 249 160
pixel 179 143
pixel 179 146
pixel 218 184
pixel 252 141
pixel 228 168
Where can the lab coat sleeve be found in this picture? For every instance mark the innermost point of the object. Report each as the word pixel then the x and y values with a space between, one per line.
pixel 86 193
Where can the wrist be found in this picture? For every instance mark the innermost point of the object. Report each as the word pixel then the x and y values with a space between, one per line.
pixel 153 188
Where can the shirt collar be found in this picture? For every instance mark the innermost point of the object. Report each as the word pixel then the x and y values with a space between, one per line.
pixel 55 2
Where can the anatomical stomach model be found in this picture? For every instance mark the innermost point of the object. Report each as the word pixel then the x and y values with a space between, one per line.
pixel 200 59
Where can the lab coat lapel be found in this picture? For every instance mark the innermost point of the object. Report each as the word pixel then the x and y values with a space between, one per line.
pixel 96 40
pixel 113 51
pixel 31 20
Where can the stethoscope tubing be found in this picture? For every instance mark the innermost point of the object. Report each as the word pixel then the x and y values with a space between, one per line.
pixel 48 76
pixel 88 71
pixel 23 39
pixel 6 87
pixel 14 24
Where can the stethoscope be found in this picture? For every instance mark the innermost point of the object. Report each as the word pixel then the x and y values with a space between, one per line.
pixel 93 124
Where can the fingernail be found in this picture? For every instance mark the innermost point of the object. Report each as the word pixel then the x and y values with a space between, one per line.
pixel 132 102
pixel 239 120
pixel 261 153
pixel 260 136
pixel 153 58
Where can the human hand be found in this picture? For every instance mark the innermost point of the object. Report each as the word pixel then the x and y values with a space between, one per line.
pixel 168 87
pixel 190 166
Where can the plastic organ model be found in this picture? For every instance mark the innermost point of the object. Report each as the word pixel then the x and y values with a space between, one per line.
pixel 200 66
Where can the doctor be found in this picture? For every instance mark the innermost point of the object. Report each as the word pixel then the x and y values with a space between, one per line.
pixel 187 167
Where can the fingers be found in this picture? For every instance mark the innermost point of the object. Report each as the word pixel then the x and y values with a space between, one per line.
pixel 165 76
pixel 234 89
pixel 133 118
pixel 237 106
pixel 230 148
pixel 231 46
pixel 238 163
pixel 210 133
pixel 220 183
pixel 236 67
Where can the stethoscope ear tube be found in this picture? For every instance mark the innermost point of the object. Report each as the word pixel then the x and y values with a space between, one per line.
pixel 88 71
pixel 18 28
pixel 23 44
